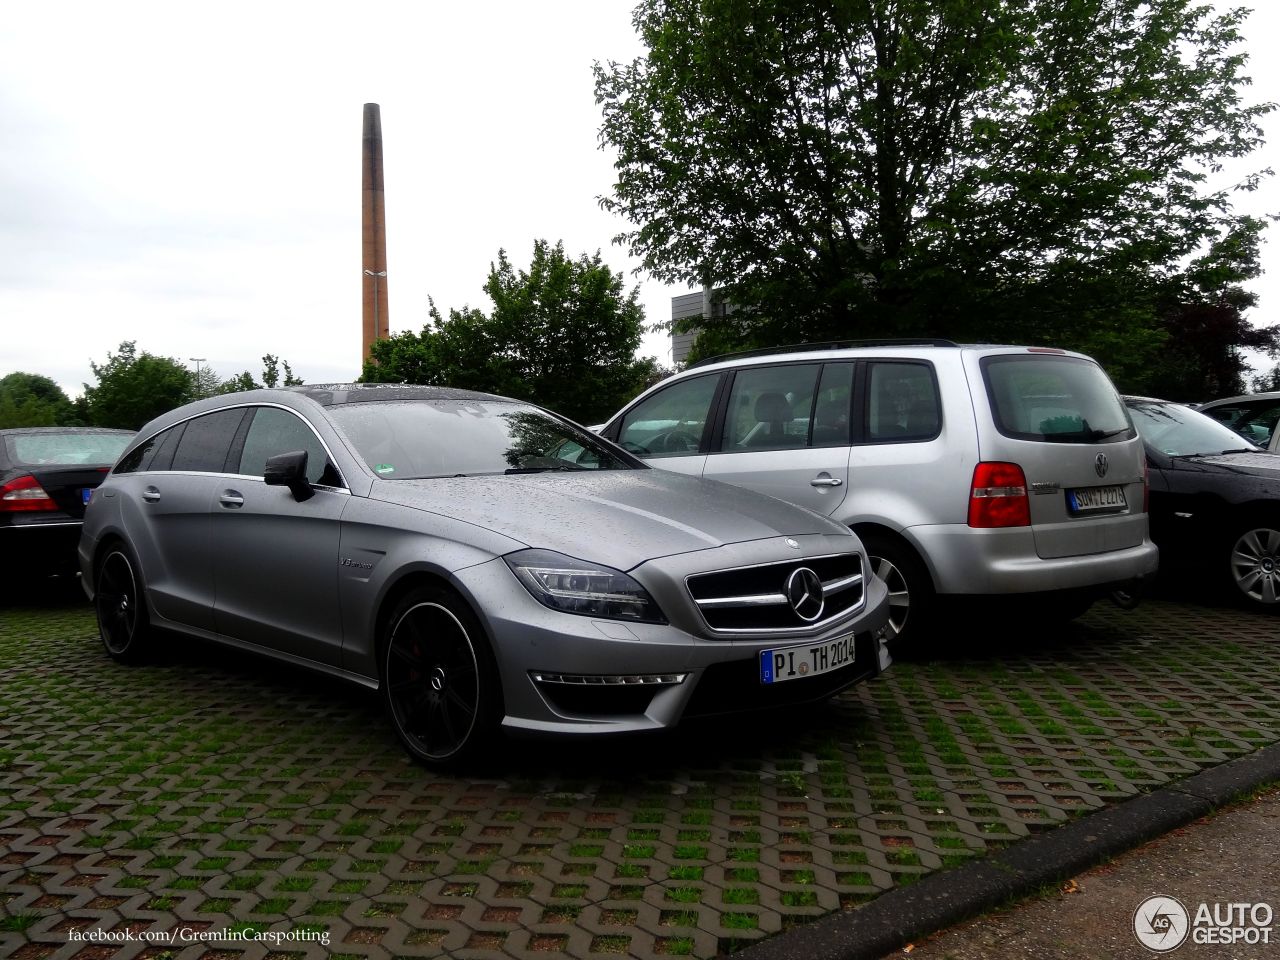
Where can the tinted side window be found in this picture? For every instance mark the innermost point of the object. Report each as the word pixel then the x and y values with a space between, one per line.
pixel 207 440
pixel 139 458
pixel 771 407
pixel 276 431
pixel 902 402
pixel 670 423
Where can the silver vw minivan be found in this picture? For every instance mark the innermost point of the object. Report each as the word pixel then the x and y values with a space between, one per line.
pixel 966 470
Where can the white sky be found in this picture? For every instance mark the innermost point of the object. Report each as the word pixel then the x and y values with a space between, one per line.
pixel 188 176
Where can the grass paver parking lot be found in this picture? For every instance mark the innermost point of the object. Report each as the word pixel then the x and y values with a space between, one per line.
pixel 212 790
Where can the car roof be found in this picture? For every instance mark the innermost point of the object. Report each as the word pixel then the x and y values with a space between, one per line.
pixel 855 348
pixel 331 394
pixel 1268 395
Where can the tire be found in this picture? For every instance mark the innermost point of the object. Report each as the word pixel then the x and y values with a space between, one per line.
pixel 1253 563
pixel 120 602
pixel 912 599
pixel 438 678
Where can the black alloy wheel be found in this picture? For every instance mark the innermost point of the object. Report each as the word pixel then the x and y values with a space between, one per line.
pixel 437 681
pixel 120 605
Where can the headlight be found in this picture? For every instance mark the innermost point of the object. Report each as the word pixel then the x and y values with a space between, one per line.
pixel 575 586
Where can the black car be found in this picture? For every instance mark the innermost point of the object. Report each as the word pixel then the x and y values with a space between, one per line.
pixel 1215 499
pixel 47 475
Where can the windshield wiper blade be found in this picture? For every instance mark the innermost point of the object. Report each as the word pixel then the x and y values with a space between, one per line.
pixel 1096 435
pixel 543 470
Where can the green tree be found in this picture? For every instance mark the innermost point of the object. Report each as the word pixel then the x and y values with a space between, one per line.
pixel 271 365
pixel 1010 170
pixel 34 400
pixel 562 334
pixel 134 387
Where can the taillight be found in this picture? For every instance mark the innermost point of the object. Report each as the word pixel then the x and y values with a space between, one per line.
pixel 24 493
pixel 998 497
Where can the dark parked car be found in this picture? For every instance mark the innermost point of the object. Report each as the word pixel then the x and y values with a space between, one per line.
pixel 1253 416
pixel 1215 499
pixel 480 561
pixel 47 475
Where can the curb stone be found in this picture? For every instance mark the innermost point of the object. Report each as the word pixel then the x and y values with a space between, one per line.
pixel 940 900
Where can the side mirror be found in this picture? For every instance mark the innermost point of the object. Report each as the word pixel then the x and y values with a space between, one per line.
pixel 289 470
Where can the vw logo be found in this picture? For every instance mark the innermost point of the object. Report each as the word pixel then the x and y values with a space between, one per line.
pixel 1100 465
pixel 804 593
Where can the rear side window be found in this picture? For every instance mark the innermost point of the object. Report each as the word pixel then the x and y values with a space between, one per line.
pixel 1054 399
pixel 670 423
pixel 902 402
pixel 771 408
pixel 274 431
pixel 206 442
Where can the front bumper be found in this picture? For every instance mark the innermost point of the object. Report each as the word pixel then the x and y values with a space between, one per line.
pixel 563 673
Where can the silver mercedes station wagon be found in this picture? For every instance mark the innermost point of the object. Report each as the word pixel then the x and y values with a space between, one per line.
pixel 480 561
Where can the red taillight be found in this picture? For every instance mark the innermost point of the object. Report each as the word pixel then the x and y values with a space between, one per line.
pixel 998 497
pixel 24 493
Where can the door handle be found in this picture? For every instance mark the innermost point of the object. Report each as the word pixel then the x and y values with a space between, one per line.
pixel 151 495
pixel 826 482
pixel 231 499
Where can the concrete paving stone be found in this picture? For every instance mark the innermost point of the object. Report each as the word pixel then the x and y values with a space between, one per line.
pixel 204 757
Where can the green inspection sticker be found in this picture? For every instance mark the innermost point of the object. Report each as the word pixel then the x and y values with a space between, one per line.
pixel 384 468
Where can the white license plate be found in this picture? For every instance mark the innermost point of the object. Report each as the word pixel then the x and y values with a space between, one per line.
pixel 1088 499
pixel 808 660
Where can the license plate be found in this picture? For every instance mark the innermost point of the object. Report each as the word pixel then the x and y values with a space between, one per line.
pixel 808 660
pixel 1091 499
pixel 86 494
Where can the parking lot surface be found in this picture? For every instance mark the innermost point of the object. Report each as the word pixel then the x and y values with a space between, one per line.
pixel 214 794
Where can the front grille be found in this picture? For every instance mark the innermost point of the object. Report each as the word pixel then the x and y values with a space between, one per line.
pixel 735 686
pixel 756 599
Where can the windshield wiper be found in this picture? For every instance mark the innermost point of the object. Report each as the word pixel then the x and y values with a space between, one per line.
pixel 543 470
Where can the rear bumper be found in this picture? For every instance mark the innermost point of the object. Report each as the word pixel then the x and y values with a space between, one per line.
pixel 967 561
pixel 41 548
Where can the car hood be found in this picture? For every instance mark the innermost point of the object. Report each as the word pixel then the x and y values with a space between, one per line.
pixel 616 517
pixel 1264 465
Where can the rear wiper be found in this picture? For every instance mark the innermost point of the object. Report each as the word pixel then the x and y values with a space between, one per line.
pixel 1096 435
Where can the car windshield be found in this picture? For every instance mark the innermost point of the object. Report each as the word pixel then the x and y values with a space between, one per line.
pixel 66 449
pixel 1178 431
pixel 416 439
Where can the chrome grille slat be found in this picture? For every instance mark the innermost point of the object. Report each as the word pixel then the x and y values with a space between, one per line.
pixel 753 600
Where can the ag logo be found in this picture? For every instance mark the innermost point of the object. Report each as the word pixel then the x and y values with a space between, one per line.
pixel 1161 923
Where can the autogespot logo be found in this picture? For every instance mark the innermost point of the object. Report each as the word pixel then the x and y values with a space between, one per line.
pixel 1161 923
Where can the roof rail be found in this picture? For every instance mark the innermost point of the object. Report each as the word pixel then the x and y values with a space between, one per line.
pixel 829 345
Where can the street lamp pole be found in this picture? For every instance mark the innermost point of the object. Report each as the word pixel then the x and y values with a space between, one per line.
pixel 199 386
pixel 377 324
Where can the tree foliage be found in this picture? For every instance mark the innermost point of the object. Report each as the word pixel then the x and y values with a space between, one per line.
pixel 562 334
pixel 134 387
pixel 34 400
pixel 1009 170
pixel 271 377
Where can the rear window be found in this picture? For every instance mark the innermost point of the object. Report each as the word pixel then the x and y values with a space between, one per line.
pixel 66 449
pixel 1054 399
